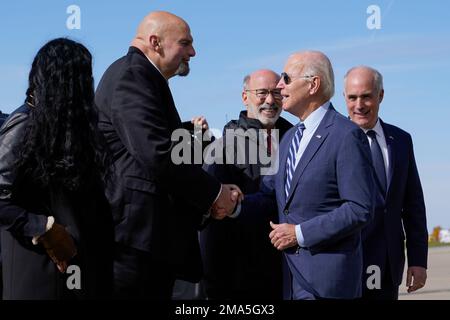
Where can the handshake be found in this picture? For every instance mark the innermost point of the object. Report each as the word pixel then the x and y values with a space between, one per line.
pixel 230 196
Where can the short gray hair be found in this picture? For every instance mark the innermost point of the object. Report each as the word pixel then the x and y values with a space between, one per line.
pixel 246 81
pixel 323 68
pixel 377 76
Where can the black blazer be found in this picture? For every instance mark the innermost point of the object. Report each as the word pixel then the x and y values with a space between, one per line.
pixel 137 116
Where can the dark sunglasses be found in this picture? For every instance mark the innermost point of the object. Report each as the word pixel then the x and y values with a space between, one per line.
pixel 287 79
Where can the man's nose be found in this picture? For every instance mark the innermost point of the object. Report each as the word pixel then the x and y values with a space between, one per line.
pixel 359 103
pixel 280 84
pixel 192 52
pixel 269 99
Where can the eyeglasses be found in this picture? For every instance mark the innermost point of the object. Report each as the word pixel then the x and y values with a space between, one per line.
pixel 263 93
pixel 287 79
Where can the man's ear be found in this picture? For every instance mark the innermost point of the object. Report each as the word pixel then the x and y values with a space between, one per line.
pixel 155 44
pixel 314 85
pixel 381 95
pixel 244 97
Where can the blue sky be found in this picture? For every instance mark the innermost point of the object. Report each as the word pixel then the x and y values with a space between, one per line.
pixel 233 38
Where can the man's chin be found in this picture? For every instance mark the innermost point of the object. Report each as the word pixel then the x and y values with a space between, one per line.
pixel 360 122
pixel 268 121
pixel 183 70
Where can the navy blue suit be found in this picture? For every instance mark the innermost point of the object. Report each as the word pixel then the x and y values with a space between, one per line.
pixel 331 198
pixel 400 212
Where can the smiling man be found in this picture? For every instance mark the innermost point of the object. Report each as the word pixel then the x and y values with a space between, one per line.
pixel 147 190
pixel 322 190
pixel 239 260
pixel 400 207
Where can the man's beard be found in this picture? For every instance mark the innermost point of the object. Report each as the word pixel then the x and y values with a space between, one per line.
pixel 183 69
pixel 265 120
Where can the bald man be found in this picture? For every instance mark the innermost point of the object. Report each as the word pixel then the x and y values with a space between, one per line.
pixel 400 208
pixel 238 258
pixel 156 238
pixel 322 190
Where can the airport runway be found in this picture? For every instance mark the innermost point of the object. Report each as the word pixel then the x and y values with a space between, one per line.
pixel 438 282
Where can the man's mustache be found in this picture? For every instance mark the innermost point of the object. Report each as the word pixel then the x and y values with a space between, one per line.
pixel 269 107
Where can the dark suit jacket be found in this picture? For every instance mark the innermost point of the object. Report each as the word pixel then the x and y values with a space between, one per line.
pixel 3 117
pixel 400 212
pixel 331 198
pixel 137 117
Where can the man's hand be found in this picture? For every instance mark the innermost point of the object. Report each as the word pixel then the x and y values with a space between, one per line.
pixel 200 121
pixel 59 246
pixel 283 235
pixel 416 278
pixel 226 202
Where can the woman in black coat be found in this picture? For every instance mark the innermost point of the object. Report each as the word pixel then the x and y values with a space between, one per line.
pixel 56 225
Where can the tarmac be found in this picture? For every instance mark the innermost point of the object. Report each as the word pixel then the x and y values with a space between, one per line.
pixel 437 286
pixel 438 277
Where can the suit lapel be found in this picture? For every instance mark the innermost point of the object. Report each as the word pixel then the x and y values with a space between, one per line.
pixel 313 146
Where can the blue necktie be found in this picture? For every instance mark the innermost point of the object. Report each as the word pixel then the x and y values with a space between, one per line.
pixel 377 159
pixel 290 163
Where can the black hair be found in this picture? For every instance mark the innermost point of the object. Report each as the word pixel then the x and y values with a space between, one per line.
pixel 62 143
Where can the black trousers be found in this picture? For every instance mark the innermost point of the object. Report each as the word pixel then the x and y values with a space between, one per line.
pixel 388 290
pixel 138 276
pixel 1 282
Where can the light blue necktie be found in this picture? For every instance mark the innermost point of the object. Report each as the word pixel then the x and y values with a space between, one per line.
pixel 290 163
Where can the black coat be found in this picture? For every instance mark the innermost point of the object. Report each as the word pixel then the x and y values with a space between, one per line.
pixel 28 272
pixel 239 260
pixel 148 192
pixel 3 117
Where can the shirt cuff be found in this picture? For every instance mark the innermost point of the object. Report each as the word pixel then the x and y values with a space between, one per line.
pixel 218 195
pixel 50 222
pixel 299 236
pixel 236 211
pixel 208 214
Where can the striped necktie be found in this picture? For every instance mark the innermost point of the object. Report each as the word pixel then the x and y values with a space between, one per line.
pixel 290 163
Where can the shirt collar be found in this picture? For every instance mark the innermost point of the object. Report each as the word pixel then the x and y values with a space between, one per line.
pixel 316 116
pixel 156 68
pixel 377 128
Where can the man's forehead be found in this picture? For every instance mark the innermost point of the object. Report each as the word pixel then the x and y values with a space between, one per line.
pixel 361 75
pixel 358 90
pixel 295 64
pixel 360 80
pixel 180 32
pixel 265 80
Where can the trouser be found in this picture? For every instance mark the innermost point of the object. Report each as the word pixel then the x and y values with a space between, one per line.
pixel 1 283
pixel 138 276
pixel 387 291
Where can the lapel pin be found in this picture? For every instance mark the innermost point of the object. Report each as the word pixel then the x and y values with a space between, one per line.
pixel 391 137
pixel 318 136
